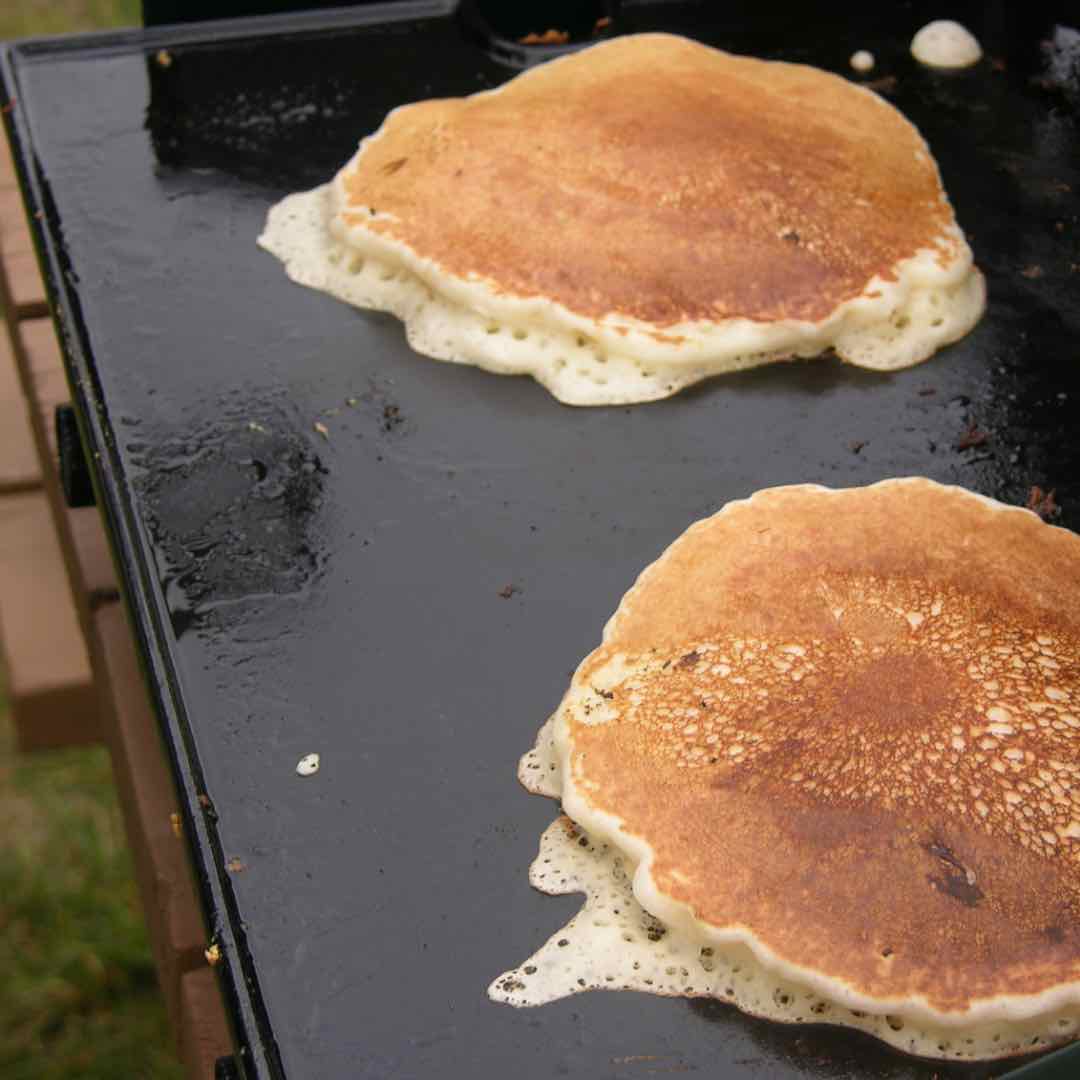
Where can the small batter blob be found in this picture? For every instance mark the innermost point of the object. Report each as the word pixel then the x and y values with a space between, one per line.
pixel 945 44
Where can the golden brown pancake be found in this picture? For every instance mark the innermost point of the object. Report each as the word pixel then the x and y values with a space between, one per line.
pixel 842 729
pixel 647 212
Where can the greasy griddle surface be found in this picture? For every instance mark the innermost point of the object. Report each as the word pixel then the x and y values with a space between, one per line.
pixel 347 593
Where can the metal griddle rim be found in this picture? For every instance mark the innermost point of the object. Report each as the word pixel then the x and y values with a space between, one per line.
pixel 315 21
pixel 149 619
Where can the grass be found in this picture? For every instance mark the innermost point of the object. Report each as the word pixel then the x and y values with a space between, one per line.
pixel 24 18
pixel 78 996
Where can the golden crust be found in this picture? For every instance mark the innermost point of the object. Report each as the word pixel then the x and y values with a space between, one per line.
pixel 661 180
pixel 848 723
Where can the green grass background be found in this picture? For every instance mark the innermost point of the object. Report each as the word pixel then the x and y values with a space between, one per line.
pixel 78 993
pixel 22 18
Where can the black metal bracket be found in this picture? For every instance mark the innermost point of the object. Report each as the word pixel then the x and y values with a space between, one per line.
pixel 74 470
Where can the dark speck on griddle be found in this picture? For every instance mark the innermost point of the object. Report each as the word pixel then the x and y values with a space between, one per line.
pixel 1043 503
pixel 392 417
pixel 972 437
pixel 886 85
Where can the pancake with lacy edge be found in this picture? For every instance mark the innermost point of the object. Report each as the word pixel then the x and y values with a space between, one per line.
pixel 832 738
pixel 635 217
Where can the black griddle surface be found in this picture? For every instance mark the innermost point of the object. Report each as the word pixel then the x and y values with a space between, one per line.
pixel 342 594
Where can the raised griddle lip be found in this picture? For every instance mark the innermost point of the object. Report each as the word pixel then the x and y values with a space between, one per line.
pixel 315 21
pixel 148 617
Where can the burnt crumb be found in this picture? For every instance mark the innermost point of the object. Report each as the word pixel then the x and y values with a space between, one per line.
pixel 391 417
pixel 956 880
pixel 927 391
pixel 562 943
pixel 508 590
pixel 1032 272
pixel 689 660
pixel 607 694
pixel 944 853
pixel 886 953
pixel 583 842
pixel 548 37
pixel 856 445
pixel 972 437
pixel 790 235
pixel 1043 503
pixel 394 166
pixel 886 85
pixel 957 888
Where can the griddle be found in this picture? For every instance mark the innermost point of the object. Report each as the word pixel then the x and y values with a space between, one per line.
pixel 408 593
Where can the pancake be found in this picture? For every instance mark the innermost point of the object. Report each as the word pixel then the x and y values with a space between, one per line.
pixel 630 219
pixel 833 738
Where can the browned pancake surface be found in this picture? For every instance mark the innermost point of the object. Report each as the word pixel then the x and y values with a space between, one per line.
pixel 659 179
pixel 857 735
